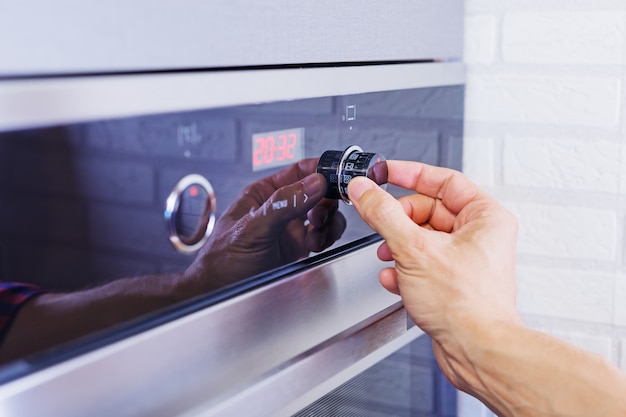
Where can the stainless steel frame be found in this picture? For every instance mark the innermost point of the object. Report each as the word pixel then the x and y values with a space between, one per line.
pixel 230 358
pixel 42 102
pixel 320 326
pixel 73 36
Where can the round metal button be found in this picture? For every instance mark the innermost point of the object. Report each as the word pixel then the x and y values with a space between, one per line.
pixel 190 213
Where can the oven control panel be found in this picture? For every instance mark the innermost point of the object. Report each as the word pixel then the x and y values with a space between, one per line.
pixel 137 196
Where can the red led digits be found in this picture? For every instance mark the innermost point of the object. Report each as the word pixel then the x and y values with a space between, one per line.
pixel 291 144
pixel 278 151
pixel 268 155
pixel 258 152
pixel 274 149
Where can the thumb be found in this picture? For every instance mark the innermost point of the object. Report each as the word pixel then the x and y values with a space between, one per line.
pixel 383 213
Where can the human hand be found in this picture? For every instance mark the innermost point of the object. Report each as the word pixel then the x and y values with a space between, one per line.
pixel 454 252
pixel 275 221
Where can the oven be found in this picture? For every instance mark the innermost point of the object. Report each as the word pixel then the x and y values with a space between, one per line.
pixel 123 162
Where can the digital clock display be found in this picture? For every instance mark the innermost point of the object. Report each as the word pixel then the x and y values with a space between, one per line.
pixel 278 148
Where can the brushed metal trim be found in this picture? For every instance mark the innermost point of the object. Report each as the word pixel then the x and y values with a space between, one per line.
pixel 349 372
pixel 322 371
pixel 205 358
pixel 37 36
pixel 45 102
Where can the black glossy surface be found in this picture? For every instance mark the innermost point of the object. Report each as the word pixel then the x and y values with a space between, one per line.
pixel 82 204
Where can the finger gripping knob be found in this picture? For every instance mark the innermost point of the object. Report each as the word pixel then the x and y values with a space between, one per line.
pixel 339 167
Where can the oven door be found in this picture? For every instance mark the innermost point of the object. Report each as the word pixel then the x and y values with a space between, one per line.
pixel 87 188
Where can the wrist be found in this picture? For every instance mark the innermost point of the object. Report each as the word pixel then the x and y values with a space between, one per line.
pixel 201 277
pixel 518 371
pixel 471 344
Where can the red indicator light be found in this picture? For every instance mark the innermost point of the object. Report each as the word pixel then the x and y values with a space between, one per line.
pixel 193 191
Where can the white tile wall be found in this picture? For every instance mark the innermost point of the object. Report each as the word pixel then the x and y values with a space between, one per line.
pixel 562 164
pixel 480 39
pixel 557 293
pixel 478 160
pixel 565 232
pixel 565 100
pixel 546 134
pixel 564 37
pixel 619 316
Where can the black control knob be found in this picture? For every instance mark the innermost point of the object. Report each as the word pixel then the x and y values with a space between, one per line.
pixel 339 167
pixel 190 213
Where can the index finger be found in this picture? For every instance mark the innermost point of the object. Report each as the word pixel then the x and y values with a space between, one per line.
pixel 265 187
pixel 453 188
pixel 293 173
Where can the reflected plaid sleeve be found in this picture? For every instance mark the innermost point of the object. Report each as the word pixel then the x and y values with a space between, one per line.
pixel 13 295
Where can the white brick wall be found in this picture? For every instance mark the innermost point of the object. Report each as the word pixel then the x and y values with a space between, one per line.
pixel 619 315
pixel 478 160
pixel 556 292
pixel 480 36
pixel 588 164
pixel 564 37
pixel 565 231
pixel 564 100
pixel 545 133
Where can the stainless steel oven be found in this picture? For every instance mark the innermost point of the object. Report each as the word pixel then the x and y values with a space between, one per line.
pixel 116 164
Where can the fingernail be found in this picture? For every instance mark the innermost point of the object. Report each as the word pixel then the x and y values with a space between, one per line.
pixel 314 184
pixel 357 186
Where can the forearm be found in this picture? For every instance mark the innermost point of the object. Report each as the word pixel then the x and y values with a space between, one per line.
pixel 51 319
pixel 521 372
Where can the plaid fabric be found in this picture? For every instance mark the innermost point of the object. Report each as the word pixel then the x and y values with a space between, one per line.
pixel 13 295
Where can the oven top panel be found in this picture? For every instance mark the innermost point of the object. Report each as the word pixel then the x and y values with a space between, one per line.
pixel 71 36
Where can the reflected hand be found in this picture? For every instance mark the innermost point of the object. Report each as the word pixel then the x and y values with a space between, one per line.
pixel 277 220
pixel 454 253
